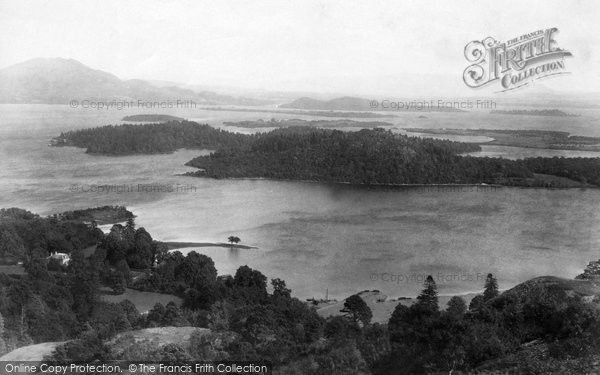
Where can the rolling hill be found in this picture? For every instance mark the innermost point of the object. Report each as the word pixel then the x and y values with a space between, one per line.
pixel 59 80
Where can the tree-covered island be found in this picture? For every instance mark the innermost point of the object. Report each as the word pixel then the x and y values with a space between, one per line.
pixel 368 156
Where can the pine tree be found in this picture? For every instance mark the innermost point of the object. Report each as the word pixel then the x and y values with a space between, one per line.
pixel 457 306
pixel 491 287
pixel 428 297
pixel 156 314
pixel 476 304
pixel 130 224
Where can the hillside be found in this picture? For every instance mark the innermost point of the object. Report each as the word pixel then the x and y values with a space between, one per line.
pixel 158 336
pixel 58 81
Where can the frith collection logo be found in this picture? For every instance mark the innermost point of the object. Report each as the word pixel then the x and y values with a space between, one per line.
pixel 514 63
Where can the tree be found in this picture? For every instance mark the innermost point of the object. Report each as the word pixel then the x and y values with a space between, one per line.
pixel 141 254
pixel 202 298
pixel 249 284
pixel 428 298
pixel 477 303
pixel 115 247
pixel 457 306
pixel 156 315
pixel 11 245
pixel 123 268
pixel 160 250
pixel 131 312
pixel 280 289
pixel 197 270
pixel 37 270
pixel 339 328
pixel 130 223
pixel 234 239
pixel 83 282
pixel 172 316
pixel 118 282
pixel 491 288
pixel 357 310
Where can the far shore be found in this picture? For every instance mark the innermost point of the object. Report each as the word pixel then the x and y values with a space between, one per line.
pixel 183 245
pixel 381 306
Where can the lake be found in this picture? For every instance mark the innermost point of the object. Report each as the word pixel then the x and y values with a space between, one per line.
pixel 315 236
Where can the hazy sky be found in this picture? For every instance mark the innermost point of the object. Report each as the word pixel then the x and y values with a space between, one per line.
pixel 372 47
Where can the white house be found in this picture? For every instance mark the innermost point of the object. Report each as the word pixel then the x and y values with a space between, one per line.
pixel 62 257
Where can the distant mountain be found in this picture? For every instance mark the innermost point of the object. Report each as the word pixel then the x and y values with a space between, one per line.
pixel 58 81
pixel 349 103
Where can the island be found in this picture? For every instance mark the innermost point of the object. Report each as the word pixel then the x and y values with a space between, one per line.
pixel 153 138
pixel 549 139
pixel 286 123
pixel 98 215
pixel 151 118
pixel 532 112
pixel 315 113
pixel 378 157
pixel 367 157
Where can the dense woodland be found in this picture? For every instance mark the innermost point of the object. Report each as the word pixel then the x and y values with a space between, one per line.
pixel 381 157
pixel 101 215
pixel 150 138
pixel 364 157
pixel 373 156
pixel 537 327
pixel 24 235
pixel 586 170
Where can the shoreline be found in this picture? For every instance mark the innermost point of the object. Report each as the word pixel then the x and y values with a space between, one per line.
pixel 482 185
pixel 174 245
pixel 381 306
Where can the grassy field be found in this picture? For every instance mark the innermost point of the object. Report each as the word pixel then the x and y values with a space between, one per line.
pixel 16 269
pixel 160 336
pixel 33 353
pixel 143 301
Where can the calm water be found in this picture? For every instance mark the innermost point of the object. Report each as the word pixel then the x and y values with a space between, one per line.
pixel 315 236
